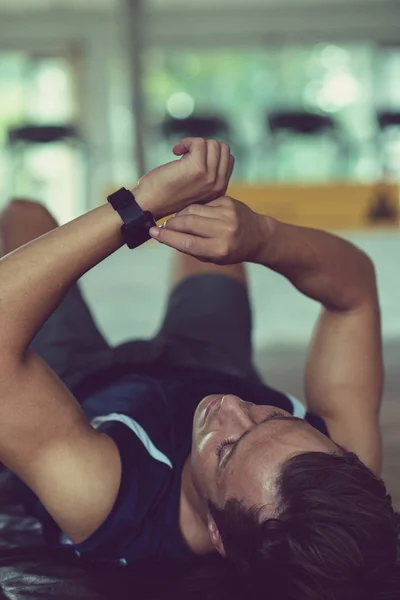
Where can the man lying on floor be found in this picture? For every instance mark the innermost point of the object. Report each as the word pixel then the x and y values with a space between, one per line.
pixel 173 448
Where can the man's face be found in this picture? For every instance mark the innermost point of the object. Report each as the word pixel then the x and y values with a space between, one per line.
pixel 238 449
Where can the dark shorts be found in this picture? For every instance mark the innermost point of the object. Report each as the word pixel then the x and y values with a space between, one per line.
pixel 207 325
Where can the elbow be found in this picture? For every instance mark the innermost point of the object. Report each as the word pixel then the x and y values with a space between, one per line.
pixel 358 288
pixel 12 361
pixel 368 264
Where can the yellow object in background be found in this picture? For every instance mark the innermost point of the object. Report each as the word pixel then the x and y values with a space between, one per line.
pixel 334 207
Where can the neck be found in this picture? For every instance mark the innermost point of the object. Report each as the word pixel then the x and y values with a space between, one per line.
pixel 193 516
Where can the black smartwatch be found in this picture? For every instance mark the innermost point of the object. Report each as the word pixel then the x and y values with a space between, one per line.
pixel 137 222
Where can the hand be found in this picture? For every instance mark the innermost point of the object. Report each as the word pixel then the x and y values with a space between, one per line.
pixel 224 231
pixel 201 175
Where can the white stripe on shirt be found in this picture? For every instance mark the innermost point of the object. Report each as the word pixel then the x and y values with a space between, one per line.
pixel 138 430
pixel 299 410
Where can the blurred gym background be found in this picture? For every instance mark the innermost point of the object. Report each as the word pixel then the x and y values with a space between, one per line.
pixel 95 92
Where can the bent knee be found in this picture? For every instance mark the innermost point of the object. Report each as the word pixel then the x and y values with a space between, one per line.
pixel 20 208
pixel 22 204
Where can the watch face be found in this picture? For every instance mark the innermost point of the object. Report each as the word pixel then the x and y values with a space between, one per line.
pixel 122 199
pixel 137 232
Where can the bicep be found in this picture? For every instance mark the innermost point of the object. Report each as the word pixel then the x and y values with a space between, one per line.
pixel 344 376
pixel 47 441
pixel 345 355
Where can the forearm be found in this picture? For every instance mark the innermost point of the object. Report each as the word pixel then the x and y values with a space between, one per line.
pixel 35 277
pixel 322 266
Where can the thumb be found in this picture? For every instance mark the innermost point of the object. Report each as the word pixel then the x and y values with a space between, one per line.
pixel 180 149
pixel 189 145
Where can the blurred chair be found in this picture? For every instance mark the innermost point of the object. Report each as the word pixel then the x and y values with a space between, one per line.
pixel 304 143
pixel 41 134
pixel 389 119
pixel 197 126
pixel 388 144
pixel 300 122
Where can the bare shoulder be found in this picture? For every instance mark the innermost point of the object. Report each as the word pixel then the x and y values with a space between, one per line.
pixel 48 442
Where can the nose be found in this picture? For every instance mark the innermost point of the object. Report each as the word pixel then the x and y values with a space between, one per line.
pixel 234 411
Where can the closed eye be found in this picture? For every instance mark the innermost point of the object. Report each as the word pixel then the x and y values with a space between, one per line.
pixel 233 443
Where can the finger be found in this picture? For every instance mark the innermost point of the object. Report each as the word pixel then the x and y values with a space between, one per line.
pixel 203 210
pixel 221 202
pixel 183 242
pixel 224 169
pixel 195 151
pixel 229 174
pixel 213 159
pixel 196 225
pixel 180 150
pixel 231 166
pixel 189 145
pixel 224 207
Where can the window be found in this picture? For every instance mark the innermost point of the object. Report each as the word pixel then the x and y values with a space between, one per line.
pixel 244 86
pixel 39 90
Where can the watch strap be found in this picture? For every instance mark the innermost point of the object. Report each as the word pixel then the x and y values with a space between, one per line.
pixel 136 222
pixel 124 202
pixel 136 232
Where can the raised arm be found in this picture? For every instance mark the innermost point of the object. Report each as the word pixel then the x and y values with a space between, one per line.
pixel 344 373
pixel 44 436
pixel 35 278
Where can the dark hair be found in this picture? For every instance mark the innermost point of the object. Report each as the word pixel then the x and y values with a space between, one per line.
pixel 334 536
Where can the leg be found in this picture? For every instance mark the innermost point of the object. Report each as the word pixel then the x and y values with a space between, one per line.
pixel 21 222
pixel 69 340
pixel 207 324
pixel 208 319
pixel 185 266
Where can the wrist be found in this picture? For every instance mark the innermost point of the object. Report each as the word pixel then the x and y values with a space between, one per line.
pixel 148 202
pixel 263 249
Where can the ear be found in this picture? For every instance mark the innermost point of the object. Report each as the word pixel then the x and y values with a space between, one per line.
pixel 215 536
